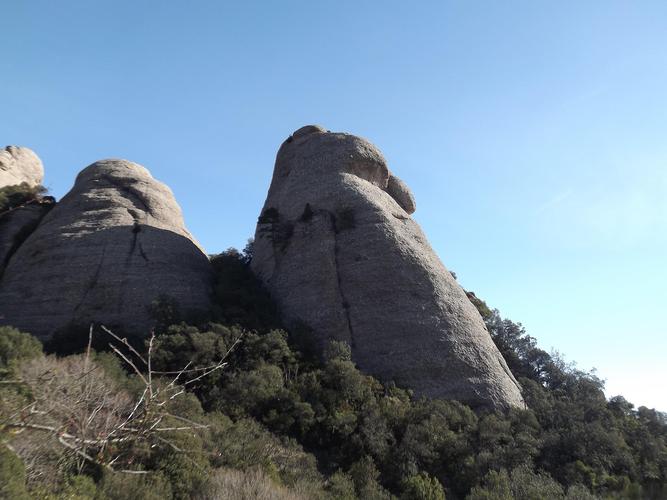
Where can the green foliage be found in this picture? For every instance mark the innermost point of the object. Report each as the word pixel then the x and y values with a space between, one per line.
pixel 12 476
pixel 481 306
pixel 165 311
pixel 240 298
pixel 495 485
pixel 530 485
pixel 341 486
pixel 15 347
pixel 365 477
pixel 278 231
pixel 79 487
pixel 303 422
pixel 119 486
pixel 422 487
pixel 350 421
pixel 15 196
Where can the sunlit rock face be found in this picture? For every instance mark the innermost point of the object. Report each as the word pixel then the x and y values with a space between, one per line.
pixel 19 165
pixel 338 250
pixel 113 245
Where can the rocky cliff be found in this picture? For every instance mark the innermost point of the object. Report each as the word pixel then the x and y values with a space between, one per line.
pixel 114 244
pixel 15 227
pixel 337 248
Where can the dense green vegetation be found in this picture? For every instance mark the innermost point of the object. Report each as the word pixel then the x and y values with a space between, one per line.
pixel 14 196
pixel 286 422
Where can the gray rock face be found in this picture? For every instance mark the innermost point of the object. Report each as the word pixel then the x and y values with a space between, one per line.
pixel 111 246
pixel 18 165
pixel 15 227
pixel 336 247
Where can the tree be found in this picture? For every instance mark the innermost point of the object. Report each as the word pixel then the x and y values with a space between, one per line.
pixel 76 403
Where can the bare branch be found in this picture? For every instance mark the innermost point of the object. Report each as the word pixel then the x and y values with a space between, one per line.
pixel 125 343
pixel 129 362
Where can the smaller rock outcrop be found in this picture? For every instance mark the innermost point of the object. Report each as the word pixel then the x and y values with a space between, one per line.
pixel 112 246
pixel 19 165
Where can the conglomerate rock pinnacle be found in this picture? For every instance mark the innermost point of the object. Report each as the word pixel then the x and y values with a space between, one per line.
pixel 337 249
pixel 110 248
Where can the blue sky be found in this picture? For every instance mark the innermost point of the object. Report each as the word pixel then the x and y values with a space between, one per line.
pixel 532 134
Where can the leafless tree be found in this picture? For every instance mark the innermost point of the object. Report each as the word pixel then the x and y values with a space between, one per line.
pixel 92 417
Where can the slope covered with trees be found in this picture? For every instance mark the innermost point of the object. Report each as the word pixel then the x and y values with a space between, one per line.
pixel 279 420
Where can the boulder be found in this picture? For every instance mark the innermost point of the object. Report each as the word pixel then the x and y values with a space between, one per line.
pixel 19 165
pixel 337 249
pixel 113 245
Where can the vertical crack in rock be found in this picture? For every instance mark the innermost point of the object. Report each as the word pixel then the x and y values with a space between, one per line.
pixel 136 229
pixel 136 244
pixel 339 281
pixel 93 281
pixel 142 253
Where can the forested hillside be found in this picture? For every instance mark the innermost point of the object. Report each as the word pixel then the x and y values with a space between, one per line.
pixel 230 405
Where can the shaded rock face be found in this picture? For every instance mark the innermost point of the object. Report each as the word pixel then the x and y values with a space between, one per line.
pixel 15 227
pixel 18 165
pixel 114 244
pixel 337 248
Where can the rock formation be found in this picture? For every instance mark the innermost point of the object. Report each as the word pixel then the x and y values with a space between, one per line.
pixel 114 244
pixel 19 165
pixel 15 227
pixel 337 248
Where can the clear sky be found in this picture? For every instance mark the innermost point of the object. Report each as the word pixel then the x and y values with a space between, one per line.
pixel 532 133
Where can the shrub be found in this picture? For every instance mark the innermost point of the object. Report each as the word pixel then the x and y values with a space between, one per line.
pixel 14 196
pixel 12 476
pixel 16 347
pixel 227 484
pixel 119 486
pixel 340 486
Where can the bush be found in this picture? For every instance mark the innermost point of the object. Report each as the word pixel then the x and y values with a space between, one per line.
pixel 341 486
pixel 16 347
pixel 227 484
pixel 119 486
pixel 12 476
pixel 14 196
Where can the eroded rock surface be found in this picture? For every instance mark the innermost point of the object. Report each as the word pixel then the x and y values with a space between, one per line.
pixel 114 244
pixel 339 252
pixel 16 225
pixel 19 165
